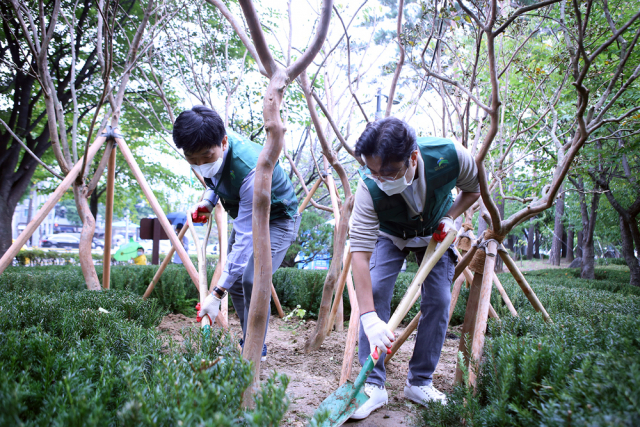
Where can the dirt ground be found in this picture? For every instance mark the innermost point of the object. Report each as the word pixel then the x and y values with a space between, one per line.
pixel 315 376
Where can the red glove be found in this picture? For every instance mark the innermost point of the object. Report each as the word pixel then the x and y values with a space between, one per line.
pixel 197 211
pixel 446 224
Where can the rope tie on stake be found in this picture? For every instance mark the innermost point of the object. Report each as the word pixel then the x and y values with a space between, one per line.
pixel 465 238
pixel 477 263
pixel 110 133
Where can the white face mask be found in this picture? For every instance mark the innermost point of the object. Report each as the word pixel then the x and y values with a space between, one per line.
pixel 140 253
pixel 208 170
pixel 396 186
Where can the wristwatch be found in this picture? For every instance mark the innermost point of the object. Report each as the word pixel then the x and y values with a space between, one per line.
pixel 219 292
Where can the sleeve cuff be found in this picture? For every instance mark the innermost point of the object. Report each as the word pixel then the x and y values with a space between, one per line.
pixel 225 281
pixel 210 195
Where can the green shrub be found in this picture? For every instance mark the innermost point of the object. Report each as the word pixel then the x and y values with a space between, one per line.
pixel 63 362
pixel 583 369
pixel 611 261
pixel 175 291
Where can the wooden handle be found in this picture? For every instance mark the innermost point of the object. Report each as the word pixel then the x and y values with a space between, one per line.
pixel 431 258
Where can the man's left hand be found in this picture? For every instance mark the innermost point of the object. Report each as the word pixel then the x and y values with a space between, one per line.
pixel 209 307
pixel 445 224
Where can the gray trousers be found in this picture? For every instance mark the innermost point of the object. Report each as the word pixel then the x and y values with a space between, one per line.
pixel 282 232
pixel 385 265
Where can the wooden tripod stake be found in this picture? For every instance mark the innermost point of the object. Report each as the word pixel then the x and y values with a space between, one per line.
pixel 106 258
pixel 51 202
pixel 201 250
pixel 476 315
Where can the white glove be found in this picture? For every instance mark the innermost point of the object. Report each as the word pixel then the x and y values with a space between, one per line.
pixel 377 332
pixel 197 211
pixel 209 307
pixel 444 225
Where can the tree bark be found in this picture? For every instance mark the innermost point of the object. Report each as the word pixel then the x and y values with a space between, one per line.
pixel 588 228
pixel 86 239
pixel 536 253
pixel 530 238
pixel 579 244
pixel 570 256
pixel 93 203
pixel 628 252
pixel 499 264
pixel 558 231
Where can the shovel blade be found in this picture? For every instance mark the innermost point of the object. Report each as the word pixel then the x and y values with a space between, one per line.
pixel 340 405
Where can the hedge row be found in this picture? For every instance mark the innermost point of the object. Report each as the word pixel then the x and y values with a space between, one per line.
pixel 40 257
pixel 581 370
pixel 65 362
pixel 176 292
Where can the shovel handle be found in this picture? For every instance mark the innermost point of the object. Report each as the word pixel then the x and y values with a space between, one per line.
pixel 434 252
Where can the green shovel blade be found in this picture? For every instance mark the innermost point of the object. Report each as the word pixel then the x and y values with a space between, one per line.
pixel 344 401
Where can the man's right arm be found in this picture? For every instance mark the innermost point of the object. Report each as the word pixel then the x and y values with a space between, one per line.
pixel 363 234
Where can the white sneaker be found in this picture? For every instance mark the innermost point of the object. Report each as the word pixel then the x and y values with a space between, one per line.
pixel 377 397
pixel 424 393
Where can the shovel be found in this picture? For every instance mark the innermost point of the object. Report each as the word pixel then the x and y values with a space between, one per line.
pixel 201 251
pixel 349 397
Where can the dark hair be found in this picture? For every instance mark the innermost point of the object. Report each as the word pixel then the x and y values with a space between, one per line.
pixel 140 247
pixel 198 129
pixel 390 138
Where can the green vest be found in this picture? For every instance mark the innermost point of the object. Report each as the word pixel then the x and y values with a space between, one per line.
pixel 242 158
pixel 441 170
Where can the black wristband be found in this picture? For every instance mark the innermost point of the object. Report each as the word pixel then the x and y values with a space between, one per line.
pixel 220 292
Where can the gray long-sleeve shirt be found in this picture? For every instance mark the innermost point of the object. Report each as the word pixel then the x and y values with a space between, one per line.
pixel 365 225
pixel 242 248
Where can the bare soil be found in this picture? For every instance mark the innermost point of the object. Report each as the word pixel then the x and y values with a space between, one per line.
pixel 315 376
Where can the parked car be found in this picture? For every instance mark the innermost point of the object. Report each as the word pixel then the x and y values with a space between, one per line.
pixel 97 243
pixel 66 241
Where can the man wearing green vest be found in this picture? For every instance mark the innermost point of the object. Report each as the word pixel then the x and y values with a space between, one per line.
pixel 403 200
pixel 227 162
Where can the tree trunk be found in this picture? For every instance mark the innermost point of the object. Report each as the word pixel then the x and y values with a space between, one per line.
pixel 579 244
pixel 570 256
pixel 558 231
pixel 30 214
pixel 86 239
pixel 499 265
pixel 564 244
pixel 6 232
pixel 628 252
pixel 530 238
pixel 536 254
pixel 93 203
pixel 588 229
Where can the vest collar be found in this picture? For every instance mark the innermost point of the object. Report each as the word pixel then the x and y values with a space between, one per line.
pixel 420 187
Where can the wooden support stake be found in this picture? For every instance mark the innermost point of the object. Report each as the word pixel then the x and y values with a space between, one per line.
pixel 505 297
pixel 352 333
pixel 165 263
pixel 153 202
pixel 21 240
pixel 108 219
pixel 464 262
pixel 307 199
pixel 469 321
pixel 483 309
pixel 524 285
pixel 346 272
pixel 455 293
